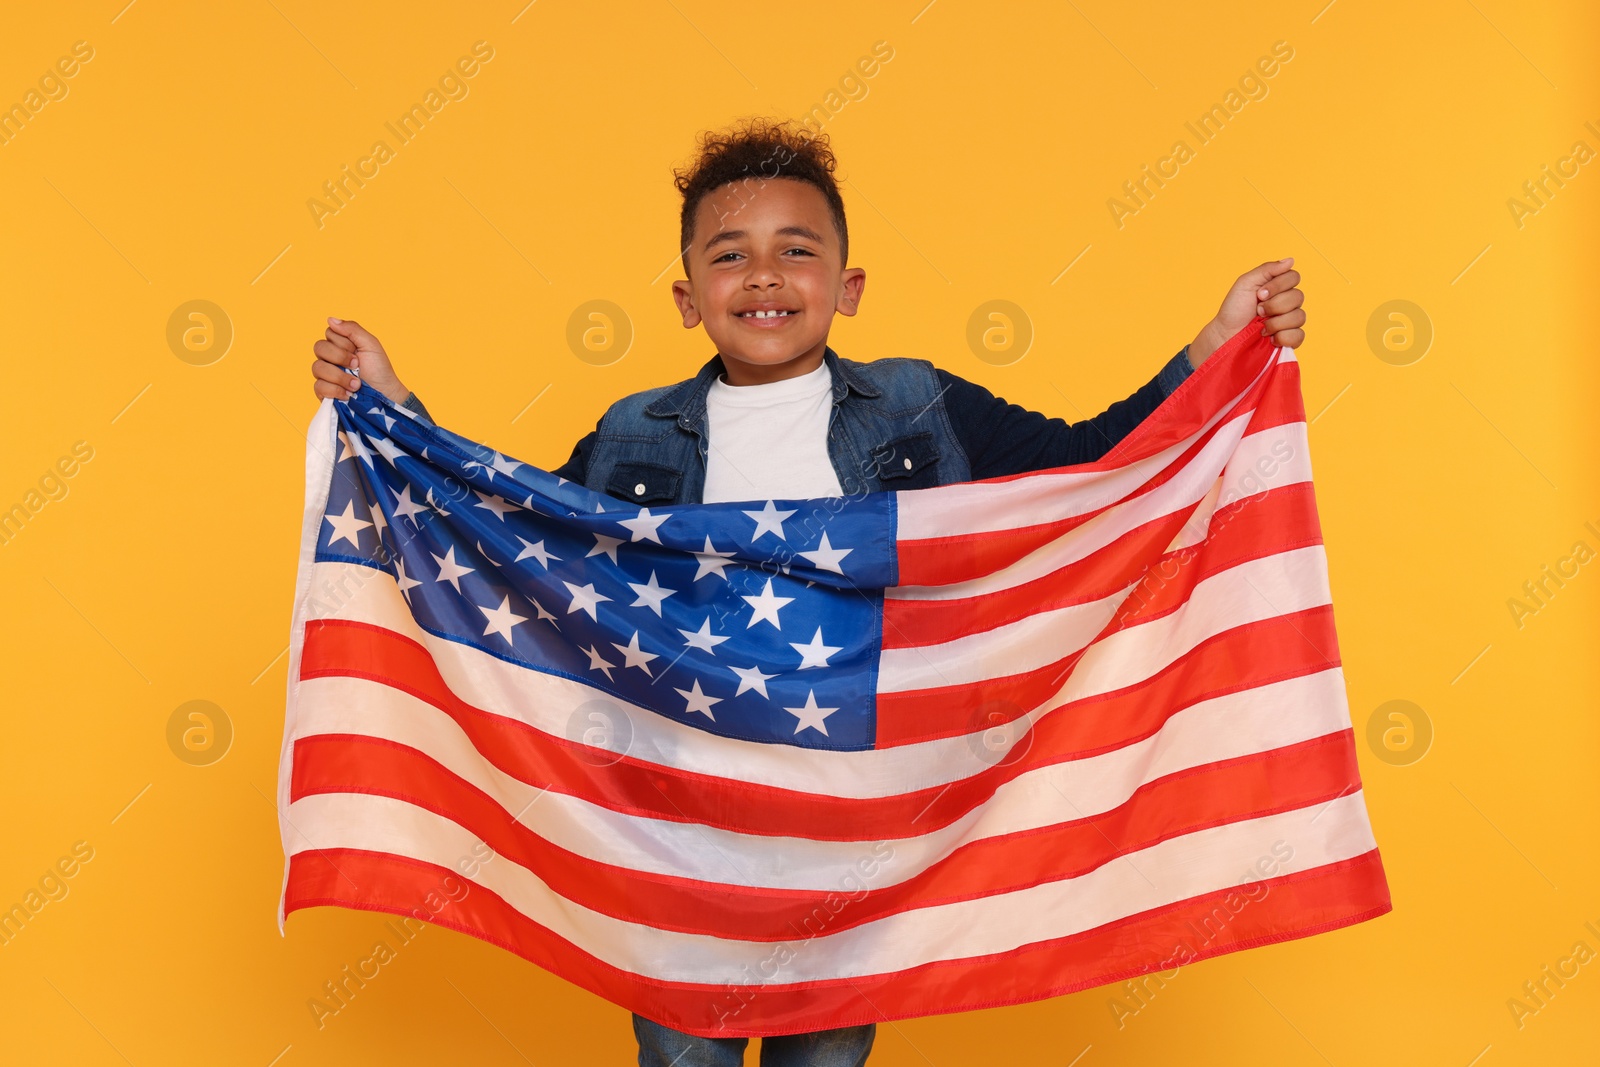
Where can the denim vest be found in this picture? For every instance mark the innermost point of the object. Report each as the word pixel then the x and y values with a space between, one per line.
pixel 888 431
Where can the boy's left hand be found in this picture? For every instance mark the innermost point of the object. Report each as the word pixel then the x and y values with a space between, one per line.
pixel 1269 290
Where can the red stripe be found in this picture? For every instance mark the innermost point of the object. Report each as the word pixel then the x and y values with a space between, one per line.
pixel 1255 526
pixel 1281 520
pixel 1282 909
pixel 1238 659
pixel 963 557
pixel 1296 776
pixel 1284 646
pixel 1210 386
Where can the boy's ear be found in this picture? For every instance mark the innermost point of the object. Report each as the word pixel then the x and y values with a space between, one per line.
pixel 854 281
pixel 683 294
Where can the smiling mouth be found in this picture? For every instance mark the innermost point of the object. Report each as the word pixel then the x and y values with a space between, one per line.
pixel 766 316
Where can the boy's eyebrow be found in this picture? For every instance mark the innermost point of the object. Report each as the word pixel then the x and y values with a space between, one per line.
pixel 789 231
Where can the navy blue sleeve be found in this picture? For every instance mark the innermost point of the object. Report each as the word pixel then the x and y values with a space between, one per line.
pixel 575 469
pixel 1001 438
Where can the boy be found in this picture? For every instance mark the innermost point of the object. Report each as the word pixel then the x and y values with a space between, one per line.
pixel 776 413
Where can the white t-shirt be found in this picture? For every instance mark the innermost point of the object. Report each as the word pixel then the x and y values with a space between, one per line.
pixel 770 442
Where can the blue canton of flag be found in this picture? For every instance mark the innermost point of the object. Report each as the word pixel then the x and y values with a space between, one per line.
pixel 758 620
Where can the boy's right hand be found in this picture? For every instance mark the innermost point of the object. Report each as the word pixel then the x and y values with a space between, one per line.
pixel 346 348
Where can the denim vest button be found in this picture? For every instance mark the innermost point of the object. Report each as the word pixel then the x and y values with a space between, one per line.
pixel 639 489
pixel 908 463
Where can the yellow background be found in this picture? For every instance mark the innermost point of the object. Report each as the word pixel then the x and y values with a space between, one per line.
pixel 979 164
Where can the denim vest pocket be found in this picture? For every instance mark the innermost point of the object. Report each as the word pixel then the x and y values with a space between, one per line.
pixel 908 462
pixel 644 483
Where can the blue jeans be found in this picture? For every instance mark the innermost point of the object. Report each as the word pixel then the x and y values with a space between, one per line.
pixel 662 1046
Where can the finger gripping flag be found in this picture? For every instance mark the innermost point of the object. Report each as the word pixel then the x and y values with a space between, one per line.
pixel 784 765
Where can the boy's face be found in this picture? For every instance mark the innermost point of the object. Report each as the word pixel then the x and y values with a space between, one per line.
pixel 766 243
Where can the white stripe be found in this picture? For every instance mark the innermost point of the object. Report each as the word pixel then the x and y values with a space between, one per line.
pixel 1267 459
pixel 1237 724
pixel 1247 592
pixel 1035 499
pixel 1272 459
pixel 1206 861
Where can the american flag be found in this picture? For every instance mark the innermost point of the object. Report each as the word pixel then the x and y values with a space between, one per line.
pixel 777 766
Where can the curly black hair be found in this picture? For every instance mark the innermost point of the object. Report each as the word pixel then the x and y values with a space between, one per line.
pixel 755 150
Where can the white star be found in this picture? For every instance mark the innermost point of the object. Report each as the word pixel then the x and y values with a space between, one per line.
pixel 767 606
pixel 501 619
pixel 597 662
pixel 536 550
pixel 496 504
pixel 389 449
pixel 405 507
pixel 634 656
pixel 449 570
pixel 485 554
pixel 407 583
pixel 769 520
pixel 811 715
pixel 585 598
pixel 345 451
pixel 698 701
pixel 505 465
pixel 711 562
pixel 814 653
pixel 645 526
pixel 650 595
pixel 477 463
pixel 826 557
pixel 358 449
pixel 346 526
pixel 388 420
pixel 702 638
pixel 378 521
pixel 434 504
pixel 604 545
pixel 544 616
pixel 752 678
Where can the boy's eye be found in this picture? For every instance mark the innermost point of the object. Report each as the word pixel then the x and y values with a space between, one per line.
pixel 725 255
